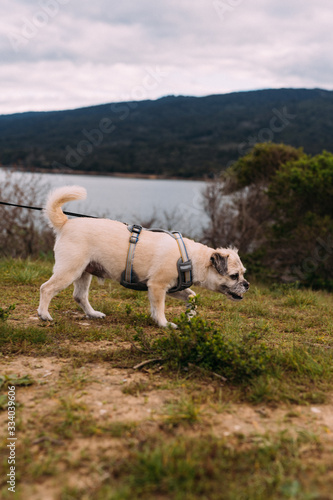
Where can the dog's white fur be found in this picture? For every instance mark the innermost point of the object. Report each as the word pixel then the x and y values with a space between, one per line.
pixel 87 246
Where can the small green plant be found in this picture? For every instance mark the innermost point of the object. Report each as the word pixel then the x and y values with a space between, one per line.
pixel 120 429
pixel 71 418
pixel 4 313
pixel 15 380
pixel 183 412
pixel 135 388
pixel 193 303
pixel 128 309
pixel 199 342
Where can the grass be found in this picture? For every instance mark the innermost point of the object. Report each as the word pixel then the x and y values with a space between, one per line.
pixel 153 435
pixel 190 469
pixel 24 270
pixel 276 338
pixel 262 468
pixel 182 412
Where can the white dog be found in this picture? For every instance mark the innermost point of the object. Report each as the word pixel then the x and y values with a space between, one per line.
pixel 86 247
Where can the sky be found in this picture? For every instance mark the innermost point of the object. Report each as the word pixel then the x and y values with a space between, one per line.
pixel 66 54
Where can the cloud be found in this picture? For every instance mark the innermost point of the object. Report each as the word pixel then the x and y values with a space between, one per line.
pixel 56 54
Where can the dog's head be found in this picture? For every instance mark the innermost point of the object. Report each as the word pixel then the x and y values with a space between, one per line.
pixel 226 273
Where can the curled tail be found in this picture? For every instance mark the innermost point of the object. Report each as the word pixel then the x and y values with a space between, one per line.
pixel 59 197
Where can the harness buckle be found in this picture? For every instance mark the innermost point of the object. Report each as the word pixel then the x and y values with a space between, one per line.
pixel 136 228
pixel 135 232
pixel 184 276
pixel 185 266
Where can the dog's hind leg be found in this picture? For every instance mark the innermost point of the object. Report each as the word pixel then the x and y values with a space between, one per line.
pixel 59 281
pixel 81 293
pixel 186 295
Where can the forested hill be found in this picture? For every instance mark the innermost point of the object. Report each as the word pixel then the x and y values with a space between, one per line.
pixel 172 136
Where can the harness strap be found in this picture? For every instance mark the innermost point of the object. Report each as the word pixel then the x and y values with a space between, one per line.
pixel 129 278
pixel 135 232
pixel 183 252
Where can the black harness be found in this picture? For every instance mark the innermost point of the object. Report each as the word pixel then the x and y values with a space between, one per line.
pixel 129 278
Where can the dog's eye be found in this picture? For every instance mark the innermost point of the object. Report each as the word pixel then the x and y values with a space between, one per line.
pixel 234 276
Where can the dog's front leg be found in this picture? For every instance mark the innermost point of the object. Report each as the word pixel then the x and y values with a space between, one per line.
pixel 185 295
pixel 156 294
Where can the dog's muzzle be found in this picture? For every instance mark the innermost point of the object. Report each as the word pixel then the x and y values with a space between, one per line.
pixel 236 292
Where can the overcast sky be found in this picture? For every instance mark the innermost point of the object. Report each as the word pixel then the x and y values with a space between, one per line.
pixel 61 54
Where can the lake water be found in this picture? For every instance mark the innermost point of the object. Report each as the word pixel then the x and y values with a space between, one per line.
pixel 174 204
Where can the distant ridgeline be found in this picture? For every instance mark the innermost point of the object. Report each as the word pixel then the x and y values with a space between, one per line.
pixel 172 136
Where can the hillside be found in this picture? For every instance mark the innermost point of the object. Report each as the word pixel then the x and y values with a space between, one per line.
pixel 183 136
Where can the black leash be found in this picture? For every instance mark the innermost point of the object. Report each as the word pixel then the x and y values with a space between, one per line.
pixel 39 208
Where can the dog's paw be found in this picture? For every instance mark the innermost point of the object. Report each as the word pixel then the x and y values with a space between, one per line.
pixel 173 325
pixel 96 314
pixel 45 317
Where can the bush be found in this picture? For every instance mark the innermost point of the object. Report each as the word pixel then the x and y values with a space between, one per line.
pixel 198 342
pixel 301 197
pixel 262 162
pixel 23 232
pixel 276 205
pixel 303 189
pixel 237 203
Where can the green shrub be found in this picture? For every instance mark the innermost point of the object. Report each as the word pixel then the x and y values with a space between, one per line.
pixel 303 189
pixel 198 342
pixel 4 313
pixel 262 162
pixel 282 222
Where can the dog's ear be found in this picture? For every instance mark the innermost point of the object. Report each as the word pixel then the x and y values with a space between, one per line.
pixel 220 263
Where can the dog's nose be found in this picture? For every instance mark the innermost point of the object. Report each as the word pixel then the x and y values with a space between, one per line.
pixel 246 284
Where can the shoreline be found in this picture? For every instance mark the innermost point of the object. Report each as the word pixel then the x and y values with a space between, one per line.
pixel 133 175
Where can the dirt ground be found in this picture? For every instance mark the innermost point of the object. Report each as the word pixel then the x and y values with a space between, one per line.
pixel 100 391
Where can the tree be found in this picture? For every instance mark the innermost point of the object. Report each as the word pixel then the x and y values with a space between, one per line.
pixel 276 205
pixel 261 164
pixel 301 196
pixel 237 203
